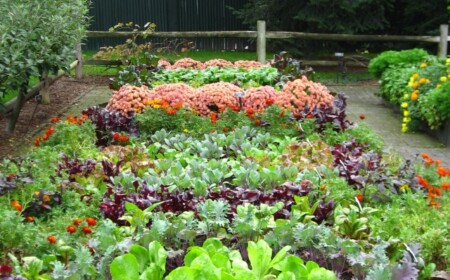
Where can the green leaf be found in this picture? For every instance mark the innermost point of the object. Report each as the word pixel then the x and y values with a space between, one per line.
pixel 193 253
pixel 280 255
pixel 152 272
pixel 321 273
pixel 260 255
pixel 293 264
pixel 124 267
pixel 184 272
pixel 157 255
pixel 141 255
pixel 310 265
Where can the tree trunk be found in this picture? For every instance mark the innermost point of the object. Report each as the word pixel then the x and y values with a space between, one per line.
pixel 20 101
pixel 44 91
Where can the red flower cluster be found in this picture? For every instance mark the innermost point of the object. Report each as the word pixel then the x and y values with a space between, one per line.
pixel 434 192
pixel 85 229
pixel 120 138
pixel 16 205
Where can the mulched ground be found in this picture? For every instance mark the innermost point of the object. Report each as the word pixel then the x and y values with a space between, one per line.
pixel 63 93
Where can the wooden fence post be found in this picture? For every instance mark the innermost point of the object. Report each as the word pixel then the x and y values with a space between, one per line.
pixel 79 57
pixel 442 49
pixel 261 41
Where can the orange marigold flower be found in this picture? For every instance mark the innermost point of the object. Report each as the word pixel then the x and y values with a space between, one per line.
pixel 46 198
pixel 91 221
pixel 171 111
pixel 360 197
pixel 16 205
pixel 425 155
pixel 86 230
pixel 434 203
pixel 51 239
pixel 309 116
pixel 37 141
pixel 445 186
pixel 438 191
pixel 441 171
pixel 55 120
pixel 362 117
pixel 213 117
pixel 71 229
pixel 225 129
pixel 29 219
pixel 438 162
pixel 77 221
pixel 116 136
pixel 323 187
pixel 257 122
pixel 123 138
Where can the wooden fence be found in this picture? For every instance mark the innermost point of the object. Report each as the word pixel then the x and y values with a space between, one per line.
pixel 261 36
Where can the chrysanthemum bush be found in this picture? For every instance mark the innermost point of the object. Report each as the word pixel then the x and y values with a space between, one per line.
pixel 420 89
pixel 195 64
pixel 128 99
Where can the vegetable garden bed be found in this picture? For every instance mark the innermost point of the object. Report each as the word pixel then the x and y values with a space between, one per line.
pixel 185 181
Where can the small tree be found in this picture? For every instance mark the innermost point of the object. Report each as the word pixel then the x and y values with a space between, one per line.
pixel 37 38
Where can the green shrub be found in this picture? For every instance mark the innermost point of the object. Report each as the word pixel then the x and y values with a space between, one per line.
pixel 435 105
pixel 380 63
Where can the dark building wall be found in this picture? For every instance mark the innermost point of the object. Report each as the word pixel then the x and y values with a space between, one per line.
pixel 171 15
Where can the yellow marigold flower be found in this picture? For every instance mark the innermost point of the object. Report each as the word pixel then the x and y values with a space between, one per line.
pixel 405 113
pixel 438 85
pixel 186 130
pixel 447 62
pixel 423 65
pixel 404 105
pixel 404 129
pixel 443 79
pixel 415 76
pixel 156 106
pixel 405 96
pixel 416 84
pixel 405 120
pixel 415 95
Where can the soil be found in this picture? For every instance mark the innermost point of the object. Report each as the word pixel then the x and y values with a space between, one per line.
pixel 36 117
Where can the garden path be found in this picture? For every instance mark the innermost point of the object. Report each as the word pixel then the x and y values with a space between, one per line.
pixel 384 121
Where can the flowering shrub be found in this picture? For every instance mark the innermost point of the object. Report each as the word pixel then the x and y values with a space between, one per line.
pixel 420 87
pixel 259 98
pixel 215 97
pixel 302 93
pixel 221 63
pixel 247 64
pixel 188 63
pixel 175 94
pixel 128 99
